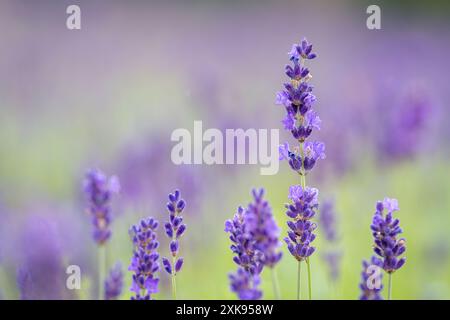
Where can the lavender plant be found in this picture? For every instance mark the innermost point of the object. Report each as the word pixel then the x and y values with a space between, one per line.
pixel 300 120
pixel 385 231
pixel 144 262
pixel 255 242
pixel 114 283
pixel 371 278
pixel 174 228
pixel 99 190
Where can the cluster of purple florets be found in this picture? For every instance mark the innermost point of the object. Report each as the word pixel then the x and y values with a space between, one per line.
pixel 174 228
pixel 99 190
pixel 255 242
pixel 144 262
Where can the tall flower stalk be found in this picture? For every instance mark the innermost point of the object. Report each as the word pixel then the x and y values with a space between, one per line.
pixel 387 245
pixel 99 190
pixel 300 121
pixel 145 259
pixel 174 228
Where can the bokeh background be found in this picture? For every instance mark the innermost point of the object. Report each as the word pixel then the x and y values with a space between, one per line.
pixel 109 95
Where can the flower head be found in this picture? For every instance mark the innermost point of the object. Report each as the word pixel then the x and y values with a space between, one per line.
pixel 385 230
pixel 99 190
pixel 174 228
pixel 144 262
pixel 243 243
pixel 245 285
pixel 262 227
pixel 301 210
pixel 114 283
pixel 371 276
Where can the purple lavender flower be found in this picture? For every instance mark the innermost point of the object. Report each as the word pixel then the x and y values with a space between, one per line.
pixel 385 230
pixel 304 160
pixel 327 219
pixel 245 285
pixel 301 210
pixel 144 262
pixel 99 191
pixel 298 101
pixel 174 228
pixel 261 226
pixel 371 285
pixel 243 243
pixel 114 283
pixel 25 284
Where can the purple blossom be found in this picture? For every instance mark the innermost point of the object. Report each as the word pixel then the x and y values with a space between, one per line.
pixel 99 191
pixel 301 210
pixel 245 285
pixel 304 161
pixel 302 50
pixel 385 230
pixel 243 243
pixel 114 283
pixel 174 228
pixel 333 259
pixel 327 219
pixel 144 262
pixel 371 284
pixel 262 227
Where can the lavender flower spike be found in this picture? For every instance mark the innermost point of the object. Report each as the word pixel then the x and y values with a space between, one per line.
pixel 114 283
pixel 371 277
pixel 99 190
pixel 262 227
pixel 301 210
pixel 243 243
pixel 385 230
pixel 300 120
pixel 144 262
pixel 174 228
pixel 245 285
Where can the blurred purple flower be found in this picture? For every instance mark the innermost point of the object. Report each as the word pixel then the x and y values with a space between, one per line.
pixel 99 191
pixel 327 220
pixel 144 262
pixel 114 283
pixel 245 285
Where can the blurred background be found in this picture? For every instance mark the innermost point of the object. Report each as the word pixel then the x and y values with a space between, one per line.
pixel 108 96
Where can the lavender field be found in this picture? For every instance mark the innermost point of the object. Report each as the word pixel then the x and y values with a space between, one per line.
pixel 360 205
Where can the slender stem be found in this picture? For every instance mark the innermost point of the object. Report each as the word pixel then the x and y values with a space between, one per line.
pixel 390 287
pixel 309 278
pixel 275 284
pixel 299 279
pixel 174 283
pixel 101 271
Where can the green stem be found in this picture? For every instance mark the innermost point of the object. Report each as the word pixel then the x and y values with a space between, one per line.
pixel 390 287
pixel 101 271
pixel 174 283
pixel 299 279
pixel 275 284
pixel 309 278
